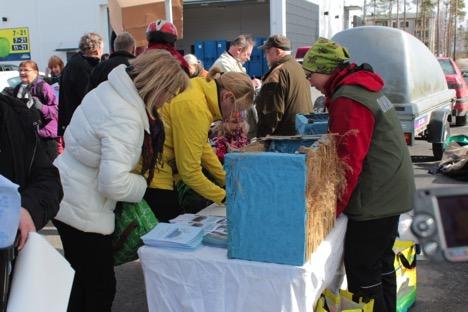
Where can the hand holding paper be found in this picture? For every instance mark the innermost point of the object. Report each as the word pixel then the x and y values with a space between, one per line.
pixel 26 225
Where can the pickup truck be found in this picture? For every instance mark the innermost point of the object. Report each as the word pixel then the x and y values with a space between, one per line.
pixel 414 80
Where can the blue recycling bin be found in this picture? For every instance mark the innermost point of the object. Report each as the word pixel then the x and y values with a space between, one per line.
pixel 210 53
pixel 255 68
pixel 221 46
pixel 199 47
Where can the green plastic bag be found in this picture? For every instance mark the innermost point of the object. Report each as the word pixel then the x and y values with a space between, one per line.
pixel 132 220
pixel 461 139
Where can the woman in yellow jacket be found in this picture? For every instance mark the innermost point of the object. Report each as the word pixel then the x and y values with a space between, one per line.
pixel 187 119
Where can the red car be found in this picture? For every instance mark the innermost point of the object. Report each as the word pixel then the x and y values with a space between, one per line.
pixel 455 81
pixel 300 52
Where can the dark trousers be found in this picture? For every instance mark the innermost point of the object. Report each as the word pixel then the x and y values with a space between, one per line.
pixel 90 255
pixel 50 147
pixel 163 203
pixel 369 261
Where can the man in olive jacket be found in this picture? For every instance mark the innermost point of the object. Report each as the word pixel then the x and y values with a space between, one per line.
pixel 285 91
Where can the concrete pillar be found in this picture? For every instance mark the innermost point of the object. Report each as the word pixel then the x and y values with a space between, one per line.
pixel 168 7
pixel 278 17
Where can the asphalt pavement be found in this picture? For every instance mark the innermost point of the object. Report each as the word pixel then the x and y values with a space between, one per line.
pixel 441 286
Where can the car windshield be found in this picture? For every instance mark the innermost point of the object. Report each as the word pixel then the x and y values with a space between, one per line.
pixel 13 82
pixel 447 67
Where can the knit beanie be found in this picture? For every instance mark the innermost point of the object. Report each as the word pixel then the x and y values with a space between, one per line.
pixel 324 56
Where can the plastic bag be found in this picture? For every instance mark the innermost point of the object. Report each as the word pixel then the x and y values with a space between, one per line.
pixel 132 220
pixel 405 269
pixel 342 302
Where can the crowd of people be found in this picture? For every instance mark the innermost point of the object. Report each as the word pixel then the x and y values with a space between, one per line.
pixel 128 128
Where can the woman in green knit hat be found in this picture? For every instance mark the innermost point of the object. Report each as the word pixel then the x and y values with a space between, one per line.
pixel 380 181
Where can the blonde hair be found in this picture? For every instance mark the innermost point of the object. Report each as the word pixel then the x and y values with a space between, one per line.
pixel 191 59
pixel 90 42
pixel 158 77
pixel 237 83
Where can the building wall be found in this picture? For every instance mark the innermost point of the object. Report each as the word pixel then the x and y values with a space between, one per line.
pixel 223 22
pixel 302 22
pixel 429 36
pixel 331 17
pixel 55 24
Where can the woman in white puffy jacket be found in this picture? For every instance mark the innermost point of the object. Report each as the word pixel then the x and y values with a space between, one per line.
pixel 114 126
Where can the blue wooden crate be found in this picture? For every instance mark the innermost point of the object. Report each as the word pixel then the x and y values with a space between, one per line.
pixel 315 123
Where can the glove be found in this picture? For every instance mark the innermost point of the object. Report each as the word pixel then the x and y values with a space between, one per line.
pixel 37 103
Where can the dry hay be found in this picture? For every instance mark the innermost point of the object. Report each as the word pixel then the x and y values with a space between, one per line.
pixel 257 146
pixel 326 181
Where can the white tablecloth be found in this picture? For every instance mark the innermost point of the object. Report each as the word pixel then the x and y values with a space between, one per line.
pixel 206 280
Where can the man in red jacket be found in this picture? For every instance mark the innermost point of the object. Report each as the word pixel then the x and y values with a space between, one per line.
pixel 380 183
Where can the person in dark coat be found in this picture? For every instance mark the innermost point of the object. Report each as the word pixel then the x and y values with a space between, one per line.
pixel 24 161
pixel 124 47
pixel 75 77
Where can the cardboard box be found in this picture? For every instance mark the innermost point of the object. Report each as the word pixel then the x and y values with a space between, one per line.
pixel 134 16
pixel 266 207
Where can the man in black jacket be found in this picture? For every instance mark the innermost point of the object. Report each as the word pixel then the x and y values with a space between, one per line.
pixel 75 77
pixel 23 161
pixel 124 50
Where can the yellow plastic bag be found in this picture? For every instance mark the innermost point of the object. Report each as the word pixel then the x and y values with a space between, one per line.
pixel 342 302
pixel 405 269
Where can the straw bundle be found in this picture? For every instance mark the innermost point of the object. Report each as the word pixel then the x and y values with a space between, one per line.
pixel 326 181
pixel 254 147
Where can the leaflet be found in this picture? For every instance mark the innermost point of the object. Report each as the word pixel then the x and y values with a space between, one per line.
pixel 174 235
pixel 214 227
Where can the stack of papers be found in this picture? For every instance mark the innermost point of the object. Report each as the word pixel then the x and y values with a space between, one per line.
pixel 174 235
pixel 214 227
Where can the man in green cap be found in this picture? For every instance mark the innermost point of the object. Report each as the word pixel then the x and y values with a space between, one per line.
pixel 284 93
pixel 380 182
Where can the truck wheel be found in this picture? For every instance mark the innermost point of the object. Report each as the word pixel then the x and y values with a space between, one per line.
pixel 460 120
pixel 438 148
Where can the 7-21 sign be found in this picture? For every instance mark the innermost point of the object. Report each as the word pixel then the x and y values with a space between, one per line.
pixel 14 44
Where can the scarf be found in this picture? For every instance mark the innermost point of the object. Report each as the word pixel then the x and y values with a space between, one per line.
pixel 152 148
pixel 171 49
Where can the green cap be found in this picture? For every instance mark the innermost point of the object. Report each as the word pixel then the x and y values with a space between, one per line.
pixel 324 56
